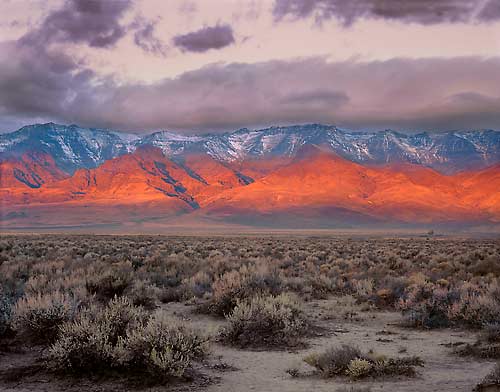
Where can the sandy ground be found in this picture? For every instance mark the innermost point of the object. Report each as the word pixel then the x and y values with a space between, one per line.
pixel 259 370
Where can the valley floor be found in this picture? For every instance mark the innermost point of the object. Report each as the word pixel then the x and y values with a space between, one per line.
pixel 432 298
pixel 231 369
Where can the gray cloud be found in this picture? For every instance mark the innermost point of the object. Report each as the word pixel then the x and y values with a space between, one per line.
pixel 39 81
pixel 400 93
pixel 490 12
pixel 215 37
pixel 324 97
pixel 424 12
pixel 42 82
pixel 92 22
pixel 96 23
pixel 144 38
pixel 35 81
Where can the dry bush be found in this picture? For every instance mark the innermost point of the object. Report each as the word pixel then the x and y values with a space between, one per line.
pixel 122 337
pixel 350 361
pixel 428 306
pixel 88 342
pixel 39 317
pixel 489 265
pixel 477 306
pixel 396 367
pixel 237 285
pixel 198 285
pixel 359 368
pixel 466 305
pixel 334 361
pixel 5 313
pixel 171 294
pixel 163 347
pixel 265 321
pixel 436 282
pixel 486 346
pixel 143 294
pixel 491 332
pixel 112 283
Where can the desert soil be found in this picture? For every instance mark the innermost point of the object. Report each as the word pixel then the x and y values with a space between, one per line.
pixel 241 370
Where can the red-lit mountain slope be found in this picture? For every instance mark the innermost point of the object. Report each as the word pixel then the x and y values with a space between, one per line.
pixel 315 185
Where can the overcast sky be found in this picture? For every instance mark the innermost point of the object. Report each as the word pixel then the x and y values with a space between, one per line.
pixel 216 65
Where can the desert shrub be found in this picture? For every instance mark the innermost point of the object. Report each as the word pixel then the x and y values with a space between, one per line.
pixel 490 265
pixel 396 367
pixel 5 313
pixel 163 347
pixel 171 294
pixel 475 307
pixel 392 289
pixel 198 285
pixel 334 361
pixel 428 306
pixel 359 368
pixel 39 317
pixel 317 286
pixel 121 337
pixel 363 289
pixel 350 361
pixel 227 290
pixel 265 321
pixel 144 294
pixel 112 283
pixel 491 332
pixel 234 286
pixel 89 342
pixel 479 349
pixel 486 346
pixel 435 306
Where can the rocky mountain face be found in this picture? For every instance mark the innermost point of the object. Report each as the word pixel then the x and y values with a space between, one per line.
pixel 73 147
pixel 316 175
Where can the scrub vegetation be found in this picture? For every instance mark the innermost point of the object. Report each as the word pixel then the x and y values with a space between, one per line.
pixel 78 305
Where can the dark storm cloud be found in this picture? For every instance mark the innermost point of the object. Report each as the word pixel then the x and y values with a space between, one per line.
pixel 92 22
pixel 215 37
pixel 401 93
pixel 424 12
pixel 491 12
pixel 436 94
pixel 145 39
pixel 38 80
pixel 96 23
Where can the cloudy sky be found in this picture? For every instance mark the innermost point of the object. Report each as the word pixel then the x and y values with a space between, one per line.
pixel 216 65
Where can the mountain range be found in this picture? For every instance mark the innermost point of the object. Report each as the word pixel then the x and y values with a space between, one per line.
pixel 304 175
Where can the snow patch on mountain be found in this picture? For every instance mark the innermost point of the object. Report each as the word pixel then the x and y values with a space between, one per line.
pixel 74 147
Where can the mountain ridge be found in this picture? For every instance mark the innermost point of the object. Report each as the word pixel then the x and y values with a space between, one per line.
pixel 316 185
pixel 54 175
pixel 74 147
